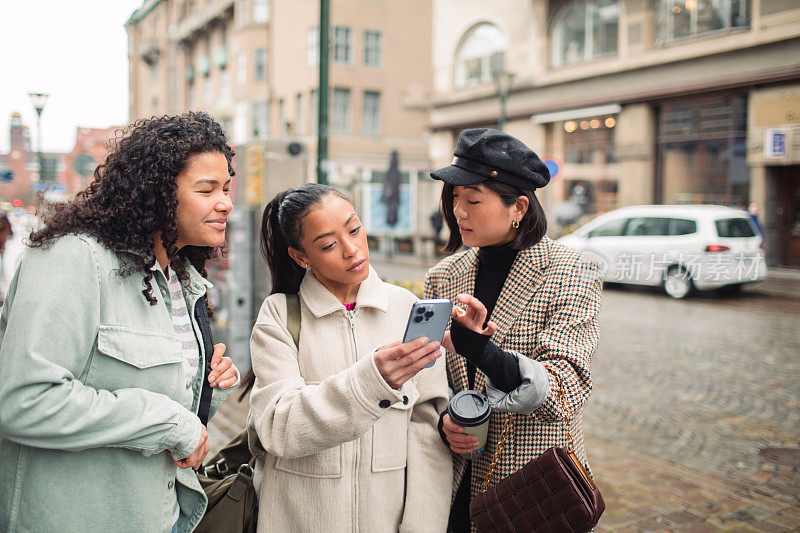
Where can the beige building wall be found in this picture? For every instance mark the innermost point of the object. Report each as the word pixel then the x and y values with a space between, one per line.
pixel 203 55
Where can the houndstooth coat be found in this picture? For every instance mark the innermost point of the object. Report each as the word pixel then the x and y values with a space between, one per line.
pixel 546 310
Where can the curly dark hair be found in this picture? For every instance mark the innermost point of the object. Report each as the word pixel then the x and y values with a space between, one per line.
pixel 132 196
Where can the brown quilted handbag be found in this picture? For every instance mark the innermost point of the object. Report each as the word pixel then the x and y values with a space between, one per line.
pixel 551 493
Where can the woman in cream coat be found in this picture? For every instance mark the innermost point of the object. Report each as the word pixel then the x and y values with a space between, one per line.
pixel 348 419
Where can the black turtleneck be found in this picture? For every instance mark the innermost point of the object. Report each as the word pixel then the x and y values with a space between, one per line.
pixel 494 264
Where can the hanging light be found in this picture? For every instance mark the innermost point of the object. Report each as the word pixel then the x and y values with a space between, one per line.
pixel 594 123
pixel 570 126
pixel 610 122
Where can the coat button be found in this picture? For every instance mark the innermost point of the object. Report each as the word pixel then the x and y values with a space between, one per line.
pixel 405 400
pixel 170 484
pixel 384 404
pixel 163 292
pixel 188 384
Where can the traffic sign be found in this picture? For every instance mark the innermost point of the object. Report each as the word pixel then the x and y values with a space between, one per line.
pixel 554 166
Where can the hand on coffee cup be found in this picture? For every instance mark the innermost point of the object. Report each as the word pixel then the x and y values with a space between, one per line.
pixel 459 441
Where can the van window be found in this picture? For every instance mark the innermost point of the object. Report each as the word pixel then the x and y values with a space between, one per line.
pixel 647 226
pixel 682 226
pixel 734 227
pixel 612 228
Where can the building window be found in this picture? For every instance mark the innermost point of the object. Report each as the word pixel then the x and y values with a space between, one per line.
pixel 240 123
pixel 260 11
pixel 260 72
pixel 371 123
pixel 585 30
pixel 240 11
pixel 373 49
pixel 299 119
pixel 314 110
pixel 480 55
pixel 260 120
pixel 342 45
pixel 241 68
pixel 208 91
pixel 191 99
pixel 681 19
pixel 225 84
pixel 312 47
pixel 702 151
pixel 341 111
pixel 589 140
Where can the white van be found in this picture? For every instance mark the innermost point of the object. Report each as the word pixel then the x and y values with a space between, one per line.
pixel 678 247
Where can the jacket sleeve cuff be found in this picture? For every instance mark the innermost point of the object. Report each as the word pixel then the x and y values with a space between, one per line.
pixel 185 437
pixel 529 395
pixel 371 389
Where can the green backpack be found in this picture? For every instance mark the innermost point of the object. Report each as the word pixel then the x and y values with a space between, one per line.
pixel 227 478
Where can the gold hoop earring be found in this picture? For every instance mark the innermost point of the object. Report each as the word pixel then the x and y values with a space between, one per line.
pixel 515 224
pixel 306 265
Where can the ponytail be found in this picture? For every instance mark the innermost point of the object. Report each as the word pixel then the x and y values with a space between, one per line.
pixel 280 229
pixel 285 272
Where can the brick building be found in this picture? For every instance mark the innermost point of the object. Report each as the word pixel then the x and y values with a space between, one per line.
pixel 90 150
pixel 21 164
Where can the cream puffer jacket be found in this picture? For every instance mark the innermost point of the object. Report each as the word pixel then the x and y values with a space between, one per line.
pixel 345 452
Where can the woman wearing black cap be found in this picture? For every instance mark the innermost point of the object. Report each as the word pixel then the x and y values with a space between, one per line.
pixel 542 300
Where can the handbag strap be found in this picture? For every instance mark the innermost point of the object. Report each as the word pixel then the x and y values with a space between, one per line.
pixel 509 422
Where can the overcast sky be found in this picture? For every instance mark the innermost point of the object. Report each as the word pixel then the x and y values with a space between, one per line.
pixel 76 52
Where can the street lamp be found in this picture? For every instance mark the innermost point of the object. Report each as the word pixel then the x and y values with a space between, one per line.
pixel 503 81
pixel 39 100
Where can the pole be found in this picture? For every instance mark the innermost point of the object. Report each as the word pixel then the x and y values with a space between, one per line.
pixel 322 92
pixel 39 143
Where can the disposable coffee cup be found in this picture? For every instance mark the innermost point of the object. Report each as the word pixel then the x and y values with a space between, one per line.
pixel 470 409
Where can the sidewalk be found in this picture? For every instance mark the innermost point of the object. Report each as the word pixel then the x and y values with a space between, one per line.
pixel 642 493
pixel 781 282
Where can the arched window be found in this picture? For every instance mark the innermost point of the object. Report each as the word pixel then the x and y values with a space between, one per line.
pixel 681 19
pixel 481 54
pixel 585 30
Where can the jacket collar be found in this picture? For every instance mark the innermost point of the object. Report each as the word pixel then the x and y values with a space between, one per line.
pixel 320 301
pixel 196 283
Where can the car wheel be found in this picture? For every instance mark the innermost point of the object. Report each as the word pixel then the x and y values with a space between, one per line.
pixel 678 283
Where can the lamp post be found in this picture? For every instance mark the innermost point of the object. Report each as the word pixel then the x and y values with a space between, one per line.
pixel 39 100
pixel 503 81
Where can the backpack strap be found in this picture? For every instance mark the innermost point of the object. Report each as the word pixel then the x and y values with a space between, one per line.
pixel 293 317
pixel 293 325
pixel 201 315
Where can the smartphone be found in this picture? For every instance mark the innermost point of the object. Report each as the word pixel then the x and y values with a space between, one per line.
pixel 428 318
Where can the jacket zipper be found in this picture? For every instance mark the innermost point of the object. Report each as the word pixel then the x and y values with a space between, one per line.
pixel 351 316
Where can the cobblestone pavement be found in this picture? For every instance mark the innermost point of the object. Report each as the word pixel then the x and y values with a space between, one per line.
pixel 686 394
pixel 702 385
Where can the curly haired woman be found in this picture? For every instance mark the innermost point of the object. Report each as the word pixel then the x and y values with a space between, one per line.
pixel 102 359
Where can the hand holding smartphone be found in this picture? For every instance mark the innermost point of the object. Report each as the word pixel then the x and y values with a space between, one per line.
pixel 428 318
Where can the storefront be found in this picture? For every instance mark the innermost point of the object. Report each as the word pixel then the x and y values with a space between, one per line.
pixel 774 158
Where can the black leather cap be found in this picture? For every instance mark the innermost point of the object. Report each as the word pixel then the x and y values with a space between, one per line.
pixel 483 154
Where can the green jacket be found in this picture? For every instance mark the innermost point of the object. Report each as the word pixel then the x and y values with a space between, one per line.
pixel 93 393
